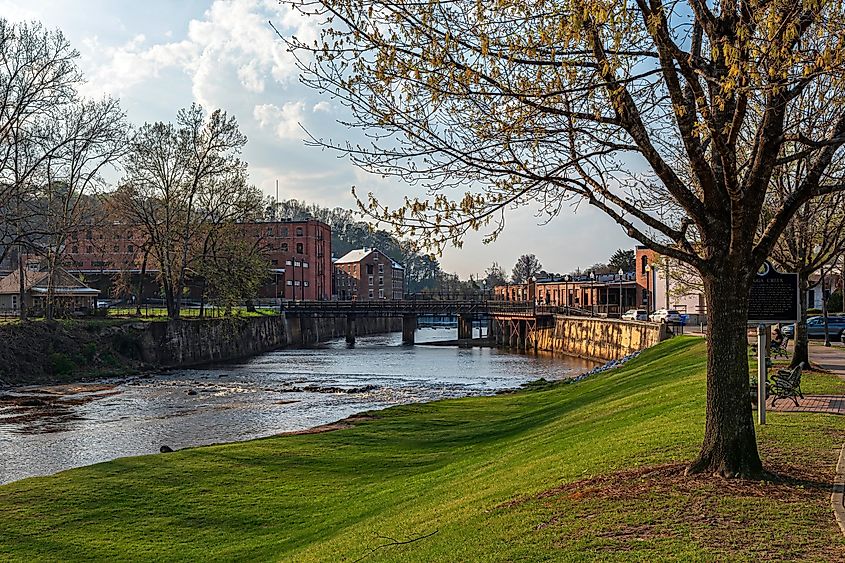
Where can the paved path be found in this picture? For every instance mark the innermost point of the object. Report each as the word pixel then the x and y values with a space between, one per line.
pixel 832 359
pixel 829 404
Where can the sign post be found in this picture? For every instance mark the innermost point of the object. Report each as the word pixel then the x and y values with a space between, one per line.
pixel 762 356
pixel 773 299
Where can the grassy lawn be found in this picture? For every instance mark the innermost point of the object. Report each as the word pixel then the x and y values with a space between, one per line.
pixel 587 471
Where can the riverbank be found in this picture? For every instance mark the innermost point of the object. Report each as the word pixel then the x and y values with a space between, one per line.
pixel 75 350
pixel 591 470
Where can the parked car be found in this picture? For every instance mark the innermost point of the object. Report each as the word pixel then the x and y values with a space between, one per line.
pixel 635 315
pixel 815 327
pixel 666 316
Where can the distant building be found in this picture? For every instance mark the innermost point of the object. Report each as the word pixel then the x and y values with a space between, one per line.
pixel 368 274
pixel 70 294
pixel 299 253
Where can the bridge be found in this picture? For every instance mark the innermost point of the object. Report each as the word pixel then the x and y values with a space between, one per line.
pixel 520 315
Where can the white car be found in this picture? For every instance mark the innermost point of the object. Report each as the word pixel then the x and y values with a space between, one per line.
pixel 635 315
pixel 666 316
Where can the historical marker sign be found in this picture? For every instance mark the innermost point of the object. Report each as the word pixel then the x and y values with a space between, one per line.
pixel 774 297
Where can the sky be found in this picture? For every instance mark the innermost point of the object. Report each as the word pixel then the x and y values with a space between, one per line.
pixel 157 56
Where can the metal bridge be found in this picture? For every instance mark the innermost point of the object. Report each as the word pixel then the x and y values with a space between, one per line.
pixel 466 310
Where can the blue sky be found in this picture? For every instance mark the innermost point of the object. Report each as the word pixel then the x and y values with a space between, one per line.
pixel 160 55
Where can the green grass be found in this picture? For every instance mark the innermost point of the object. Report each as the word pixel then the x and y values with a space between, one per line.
pixel 542 475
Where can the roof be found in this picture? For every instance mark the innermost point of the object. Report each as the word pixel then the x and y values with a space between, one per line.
pixel 354 256
pixel 37 281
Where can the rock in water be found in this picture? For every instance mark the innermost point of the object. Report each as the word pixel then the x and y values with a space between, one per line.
pixel 192 392
pixel 165 449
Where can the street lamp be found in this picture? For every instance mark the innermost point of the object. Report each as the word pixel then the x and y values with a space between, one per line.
pixel 621 273
pixel 648 289
pixel 592 294
pixel 566 279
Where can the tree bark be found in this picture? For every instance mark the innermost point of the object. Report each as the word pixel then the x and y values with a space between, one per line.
pixel 801 348
pixel 730 446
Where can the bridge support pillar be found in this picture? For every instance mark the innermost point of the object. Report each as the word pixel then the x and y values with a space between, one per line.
pixel 522 335
pixel 464 327
pixel 350 329
pixel 507 333
pixel 409 328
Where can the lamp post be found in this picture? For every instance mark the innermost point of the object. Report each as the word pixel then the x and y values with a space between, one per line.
pixel 648 289
pixel 620 272
pixel 592 294
pixel 566 279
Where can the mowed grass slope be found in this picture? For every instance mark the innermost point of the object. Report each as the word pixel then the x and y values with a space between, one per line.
pixel 587 471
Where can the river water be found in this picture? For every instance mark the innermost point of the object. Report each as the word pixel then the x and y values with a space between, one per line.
pixel 45 430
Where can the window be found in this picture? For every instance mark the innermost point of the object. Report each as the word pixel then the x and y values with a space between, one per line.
pixel 381 294
pixel 305 283
pixel 381 280
pixel 299 248
pixel 74 236
pixel 284 247
pixel 371 294
pixel 305 264
pixel 269 231
pixel 297 264
pixel 74 250
pixel 284 231
pixel 116 248
pixel 275 262
pixel 289 282
pixel 296 283
pixel 644 263
pixel 90 250
pixel 369 268
pixel 89 235
pixel 371 281
pixel 299 231
pixel 130 248
pixel 381 268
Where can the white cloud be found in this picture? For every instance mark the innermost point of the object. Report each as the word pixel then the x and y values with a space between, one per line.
pixel 286 120
pixel 322 106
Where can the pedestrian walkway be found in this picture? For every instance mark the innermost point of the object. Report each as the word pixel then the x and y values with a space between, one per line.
pixel 831 359
pixel 828 404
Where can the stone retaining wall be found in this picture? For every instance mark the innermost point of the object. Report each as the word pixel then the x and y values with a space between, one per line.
pixel 598 339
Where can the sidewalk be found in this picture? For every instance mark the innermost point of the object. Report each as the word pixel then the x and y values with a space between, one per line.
pixel 832 359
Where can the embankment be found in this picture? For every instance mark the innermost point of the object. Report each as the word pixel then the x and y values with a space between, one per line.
pixel 598 339
pixel 49 352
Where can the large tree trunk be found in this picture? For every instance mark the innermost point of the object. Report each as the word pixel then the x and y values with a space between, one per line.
pixel 801 348
pixel 730 446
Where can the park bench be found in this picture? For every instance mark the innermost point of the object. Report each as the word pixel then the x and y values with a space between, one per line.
pixel 786 384
pixel 781 351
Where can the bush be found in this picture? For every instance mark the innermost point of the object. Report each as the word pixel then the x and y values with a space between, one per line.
pixel 60 364
pixel 89 351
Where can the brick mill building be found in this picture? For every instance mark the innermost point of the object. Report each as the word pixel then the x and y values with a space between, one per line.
pixel 298 252
pixel 368 274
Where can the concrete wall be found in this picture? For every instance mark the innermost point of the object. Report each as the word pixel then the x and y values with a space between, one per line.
pixel 191 342
pixel 598 338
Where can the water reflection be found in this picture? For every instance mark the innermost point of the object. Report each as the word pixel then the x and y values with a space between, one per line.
pixel 46 430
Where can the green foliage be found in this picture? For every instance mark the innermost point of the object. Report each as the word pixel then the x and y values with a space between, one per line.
pixel 526 267
pixel 89 351
pixel 61 364
pixel 492 475
pixel 622 259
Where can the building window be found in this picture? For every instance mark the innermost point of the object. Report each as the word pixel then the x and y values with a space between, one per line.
pixel 369 268
pixel 275 262
pixel 74 250
pixel 299 231
pixel 371 281
pixel 284 231
pixel 381 280
pixel 269 231
pixel 74 236
pixel 290 282
pixel 371 294
pixel 288 263
pixel 116 248
pixel 284 247
pixel 130 248
pixel 305 264
pixel 89 235
pixel 381 294
pixel 305 283
pixel 299 248
pixel 381 268
pixel 90 250
pixel 644 263
pixel 296 283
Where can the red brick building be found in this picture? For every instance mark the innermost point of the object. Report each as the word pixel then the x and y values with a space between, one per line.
pixel 299 253
pixel 368 274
